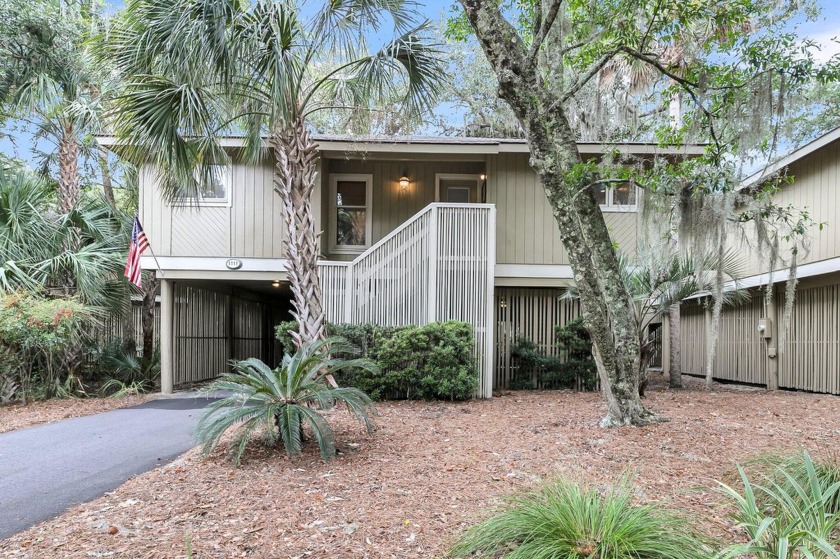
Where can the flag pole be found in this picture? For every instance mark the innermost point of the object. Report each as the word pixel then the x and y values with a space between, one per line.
pixel 156 260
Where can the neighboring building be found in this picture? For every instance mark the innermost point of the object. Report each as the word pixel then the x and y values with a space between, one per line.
pixel 809 356
pixel 414 230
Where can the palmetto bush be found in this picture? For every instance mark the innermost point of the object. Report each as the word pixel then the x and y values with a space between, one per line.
pixel 564 520
pixel 791 512
pixel 281 401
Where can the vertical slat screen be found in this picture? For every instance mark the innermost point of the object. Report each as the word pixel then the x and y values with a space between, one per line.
pixel 693 338
pixel 810 358
pixel 533 314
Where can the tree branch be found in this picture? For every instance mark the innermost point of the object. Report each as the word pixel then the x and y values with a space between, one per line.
pixel 591 73
pixel 544 28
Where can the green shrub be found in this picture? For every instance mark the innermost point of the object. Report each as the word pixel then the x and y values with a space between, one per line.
pixel 575 370
pixel 791 513
pixel 429 362
pixel 563 520
pixel 434 361
pixel 42 339
pixel 282 400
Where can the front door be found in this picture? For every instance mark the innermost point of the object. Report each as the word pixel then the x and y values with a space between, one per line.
pixel 459 189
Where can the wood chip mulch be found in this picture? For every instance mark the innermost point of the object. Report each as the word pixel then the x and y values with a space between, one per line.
pixel 17 416
pixel 431 470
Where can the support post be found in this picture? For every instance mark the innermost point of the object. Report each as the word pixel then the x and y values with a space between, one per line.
pixel 665 338
pixel 490 318
pixel 773 346
pixel 707 325
pixel 434 250
pixel 167 335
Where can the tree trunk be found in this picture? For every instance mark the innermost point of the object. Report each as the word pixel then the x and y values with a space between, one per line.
pixel 296 161
pixel 150 285
pixel 69 187
pixel 107 184
pixel 605 303
pixel 675 344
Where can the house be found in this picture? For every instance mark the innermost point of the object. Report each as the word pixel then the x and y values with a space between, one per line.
pixel 413 230
pixel 805 356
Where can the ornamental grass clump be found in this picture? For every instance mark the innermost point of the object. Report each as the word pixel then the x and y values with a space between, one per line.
pixel 281 402
pixel 564 520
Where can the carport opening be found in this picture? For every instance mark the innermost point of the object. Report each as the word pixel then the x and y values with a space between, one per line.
pixel 216 322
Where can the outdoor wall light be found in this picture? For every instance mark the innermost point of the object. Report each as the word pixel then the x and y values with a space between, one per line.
pixel 275 283
pixel 404 183
pixel 483 177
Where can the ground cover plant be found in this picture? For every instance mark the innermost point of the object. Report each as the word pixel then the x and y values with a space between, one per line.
pixel 279 402
pixel 432 470
pixel 567 520
pixel 790 510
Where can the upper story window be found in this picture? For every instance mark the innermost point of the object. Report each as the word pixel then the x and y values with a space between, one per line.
pixel 213 190
pixel 622 197
pixel 350 215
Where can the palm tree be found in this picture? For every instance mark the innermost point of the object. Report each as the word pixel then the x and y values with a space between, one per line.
pixel 48 80
pixel 40 248
pixel 660 279
pixel 284 399
pixel 663 278
pixel 198 70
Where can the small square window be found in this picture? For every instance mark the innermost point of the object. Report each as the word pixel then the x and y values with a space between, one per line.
pixel 617 197
pixel 213 188
pixel 600 192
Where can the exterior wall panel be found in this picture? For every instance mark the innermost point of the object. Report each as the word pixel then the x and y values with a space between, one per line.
pixel 250 227
pixel 816 179
pixel 526 230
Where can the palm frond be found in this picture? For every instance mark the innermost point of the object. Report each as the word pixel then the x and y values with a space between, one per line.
pixel 285 398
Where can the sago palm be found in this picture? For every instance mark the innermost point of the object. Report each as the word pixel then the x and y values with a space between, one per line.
pixel 282 401
pixel 200 70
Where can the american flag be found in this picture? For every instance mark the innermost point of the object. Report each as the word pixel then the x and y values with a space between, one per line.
pixel 138 245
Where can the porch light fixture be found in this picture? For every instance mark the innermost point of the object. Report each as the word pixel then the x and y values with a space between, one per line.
pixel 275 283
pixel 404 182
pixel 483 177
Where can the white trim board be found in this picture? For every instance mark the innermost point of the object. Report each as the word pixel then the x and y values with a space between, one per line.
pixel 542 271
pixel 212 264
pixel 802 271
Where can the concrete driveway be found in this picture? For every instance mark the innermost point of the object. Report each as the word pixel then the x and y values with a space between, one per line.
pixel 46 469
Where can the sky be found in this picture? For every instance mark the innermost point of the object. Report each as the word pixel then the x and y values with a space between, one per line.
pixel 823 31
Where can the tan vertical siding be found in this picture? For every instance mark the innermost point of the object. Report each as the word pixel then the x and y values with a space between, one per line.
pixel 527 232
pixel 250 227
pixel 391 207
pixel 808 360
pixel 693 338
pixel 816 181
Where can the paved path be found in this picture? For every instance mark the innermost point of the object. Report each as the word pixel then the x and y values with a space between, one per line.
pixel 46 469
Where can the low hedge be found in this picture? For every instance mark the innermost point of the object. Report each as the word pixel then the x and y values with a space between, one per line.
pixel 430 362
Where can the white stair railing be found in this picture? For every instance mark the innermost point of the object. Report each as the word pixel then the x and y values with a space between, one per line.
pixel 439 265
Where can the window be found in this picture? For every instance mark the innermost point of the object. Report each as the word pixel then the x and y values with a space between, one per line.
pixel 213 190
pixel 350 216
pixel 621 197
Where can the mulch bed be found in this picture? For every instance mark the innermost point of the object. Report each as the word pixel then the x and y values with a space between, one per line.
pixel 17 416
pixel 431 470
